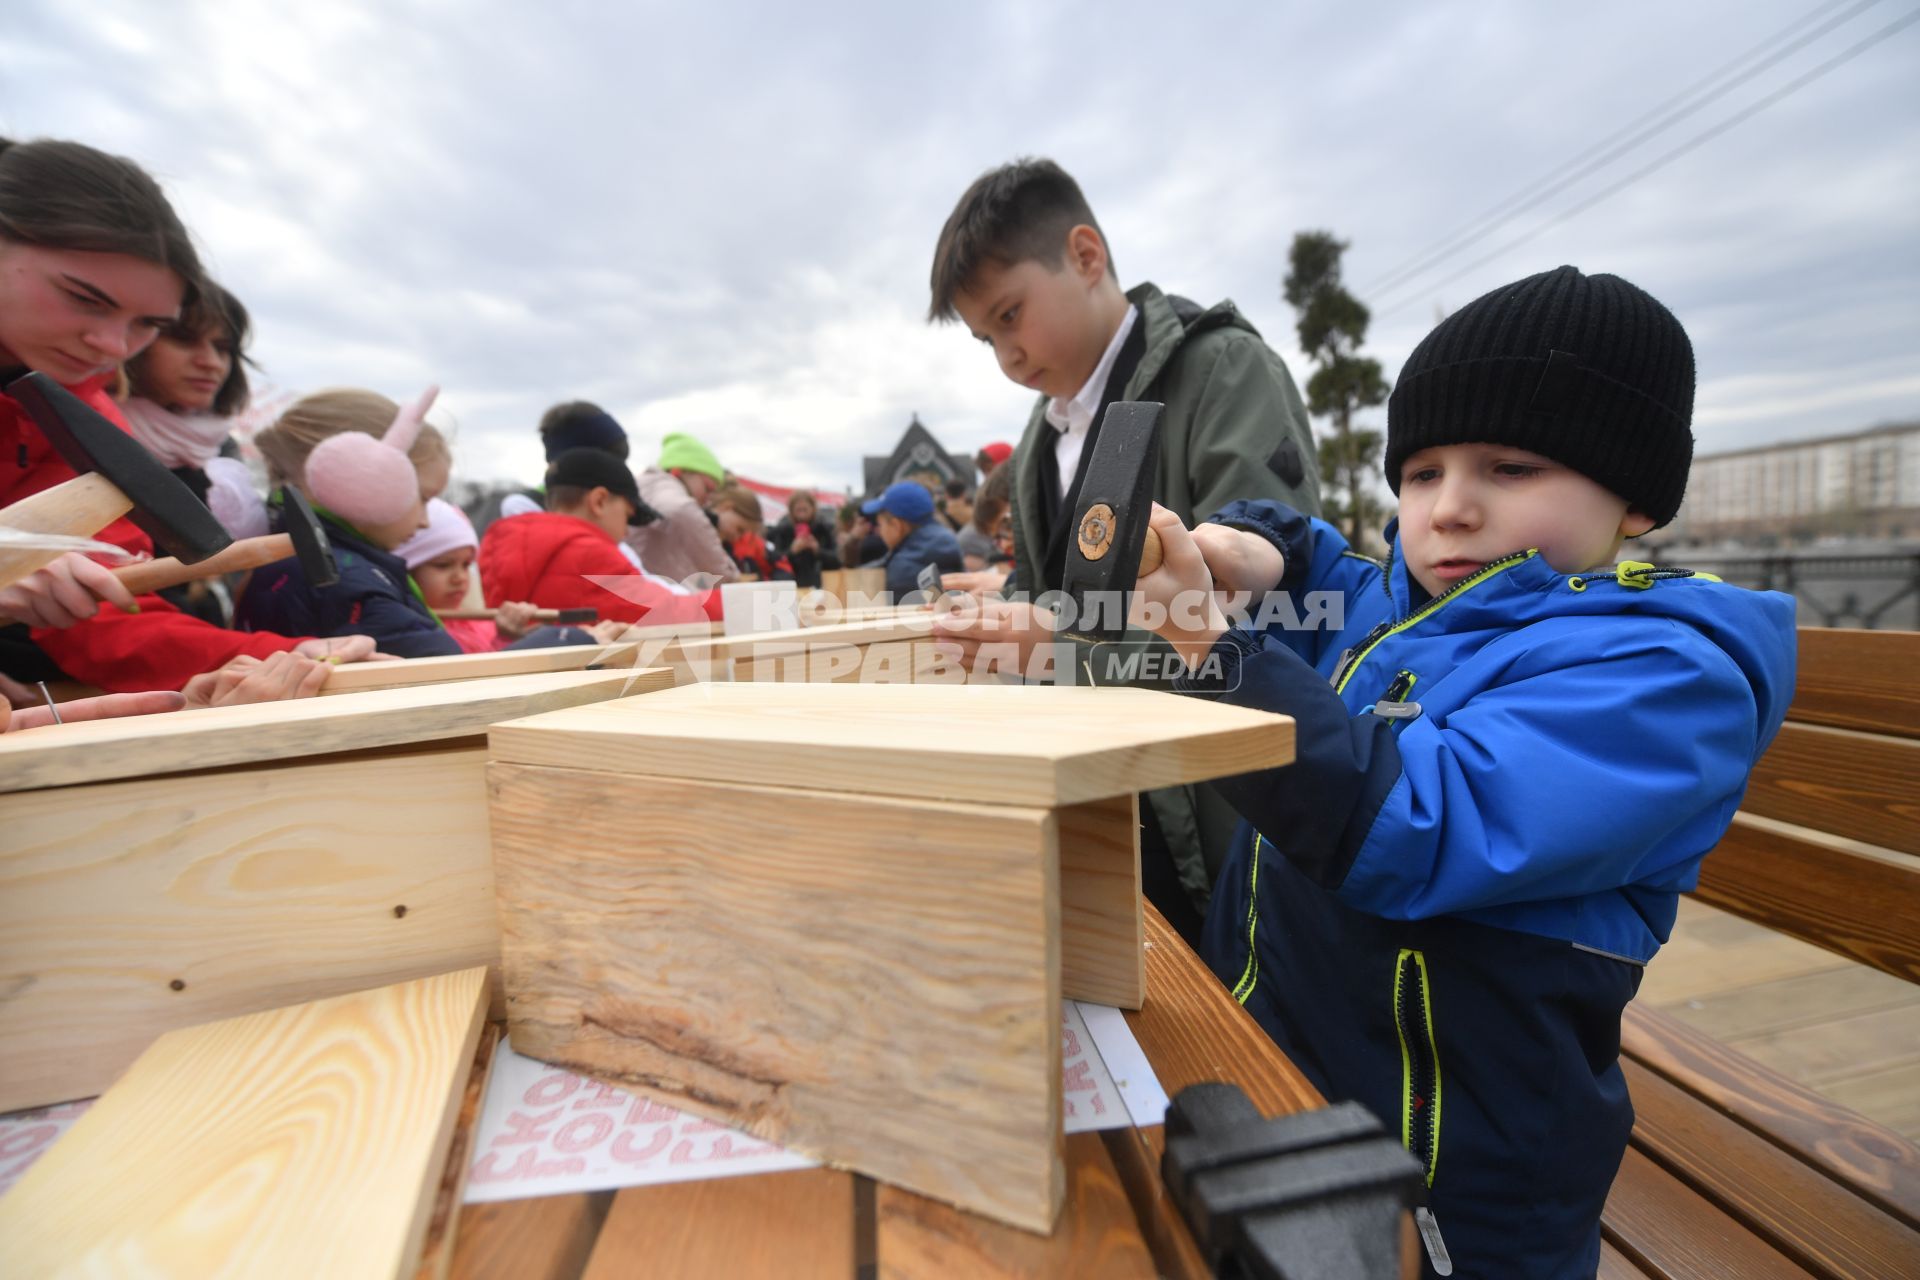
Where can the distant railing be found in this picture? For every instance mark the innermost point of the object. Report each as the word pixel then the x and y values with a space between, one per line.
pixel 1877 590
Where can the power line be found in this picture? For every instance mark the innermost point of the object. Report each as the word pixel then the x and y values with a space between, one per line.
pixel 1746 113
pixel 1545 187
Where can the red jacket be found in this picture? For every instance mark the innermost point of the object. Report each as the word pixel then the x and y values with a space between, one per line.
pixel 549 559
pixel 157 648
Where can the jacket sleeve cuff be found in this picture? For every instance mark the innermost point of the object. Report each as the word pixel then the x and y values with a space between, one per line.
pixel 1319 809
pixel 1288 530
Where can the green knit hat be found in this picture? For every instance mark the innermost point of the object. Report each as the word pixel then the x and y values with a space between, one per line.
pixel 683 453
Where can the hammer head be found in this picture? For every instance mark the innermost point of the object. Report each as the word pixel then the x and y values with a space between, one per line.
pixel 1110 521
pixel 178 522
pixel 310 545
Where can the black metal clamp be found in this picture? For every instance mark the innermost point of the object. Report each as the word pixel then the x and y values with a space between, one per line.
pixel 1313 1196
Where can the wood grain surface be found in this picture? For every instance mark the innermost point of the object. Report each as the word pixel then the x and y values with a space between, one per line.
pixel 356 677
pixel 871 982
pixel 1102 934
pixel 922 1239
pixel 97 750
pixel 1877 1163
pixel 1863 786
pixel 300 1141
pixel 1858 680
pixel 131 908
pixel 796 1225
pixel 1856 900
pixel 443 1224
pixel 1007 744
pixel 1798 1209
pixel 1671 1232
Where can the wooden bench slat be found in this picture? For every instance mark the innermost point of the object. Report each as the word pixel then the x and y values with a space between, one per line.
pixel 1671 1232
pixel 1193 1030
pixel 1859 680
pixel 1863 786
pixel 1854 899
pixel 1615 1265
pixel 1097 1234
pixel 1821 1223
pixel 797 1224
pixel 1881 1166
pixel 542 1238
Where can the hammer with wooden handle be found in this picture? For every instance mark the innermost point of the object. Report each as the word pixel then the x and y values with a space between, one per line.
pixel 305 538
pixel 564 617
pixel 117 477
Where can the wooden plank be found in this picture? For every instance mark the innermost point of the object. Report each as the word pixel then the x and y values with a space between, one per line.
pixel 1012 744
pixel 872 982
pixel 1102 938
pixel 543 1238
pixel 1615 1265
pixel 98 750
pixel 1851 898
pixel 128 909
pixel 357 677
pixel 797 1225
pixel 443 1226
pixel 1858 680
pixel 300 1141
pixel 921 1239
pixel 1862 786
pixel 1875 1162
pixel 867 630
pixel 1799 1210
pixel 1671 1232
pixel 1193 1031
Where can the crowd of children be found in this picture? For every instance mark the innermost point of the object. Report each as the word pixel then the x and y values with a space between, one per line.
pixel 1513 749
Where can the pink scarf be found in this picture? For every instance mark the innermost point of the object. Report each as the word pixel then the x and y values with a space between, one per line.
pixel 177 439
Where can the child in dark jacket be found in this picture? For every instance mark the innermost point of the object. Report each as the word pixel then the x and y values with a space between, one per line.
pixel 369 468
pixel 569 556
pixel 1512 755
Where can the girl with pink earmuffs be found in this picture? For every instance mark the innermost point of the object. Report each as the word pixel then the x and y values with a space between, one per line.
pixel 368 467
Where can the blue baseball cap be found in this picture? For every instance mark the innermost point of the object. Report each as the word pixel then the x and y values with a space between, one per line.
pixel 908 500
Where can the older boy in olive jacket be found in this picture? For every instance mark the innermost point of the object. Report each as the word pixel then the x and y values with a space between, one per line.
pixel 1024 265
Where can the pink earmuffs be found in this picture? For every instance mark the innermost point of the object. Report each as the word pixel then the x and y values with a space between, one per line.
pixel 370 481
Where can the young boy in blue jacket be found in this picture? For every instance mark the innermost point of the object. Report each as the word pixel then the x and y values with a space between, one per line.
pixel 1512 755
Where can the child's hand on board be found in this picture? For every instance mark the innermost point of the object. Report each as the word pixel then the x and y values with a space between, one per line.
pixel 342 649
pixel 109 706
pixel 515 618
pixel 1244 565
pixel 1177 600
pixel 279 676
pixel 67 591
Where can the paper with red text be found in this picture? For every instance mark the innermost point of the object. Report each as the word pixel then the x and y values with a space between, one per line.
pixel 544 1131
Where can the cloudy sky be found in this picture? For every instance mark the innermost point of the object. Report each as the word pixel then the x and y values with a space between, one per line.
pixel 719 218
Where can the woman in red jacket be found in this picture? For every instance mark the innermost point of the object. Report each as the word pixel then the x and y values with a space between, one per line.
pixel 93 263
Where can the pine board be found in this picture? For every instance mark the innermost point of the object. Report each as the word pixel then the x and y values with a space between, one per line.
pixel 99 750
pixel 301 1141
pixel 872 982
pixel 357 677
pixel 248 888
pixel 1011 744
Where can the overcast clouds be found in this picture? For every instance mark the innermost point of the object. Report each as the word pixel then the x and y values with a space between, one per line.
pixel 721 220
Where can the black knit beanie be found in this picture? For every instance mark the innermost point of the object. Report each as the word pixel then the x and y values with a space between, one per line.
pixel 1590 371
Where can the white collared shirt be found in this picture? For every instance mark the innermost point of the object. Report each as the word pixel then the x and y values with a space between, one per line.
pixel 1070 419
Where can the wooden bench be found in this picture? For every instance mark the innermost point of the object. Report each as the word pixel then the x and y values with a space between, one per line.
pixel 825 1222
pixel 1734 1170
